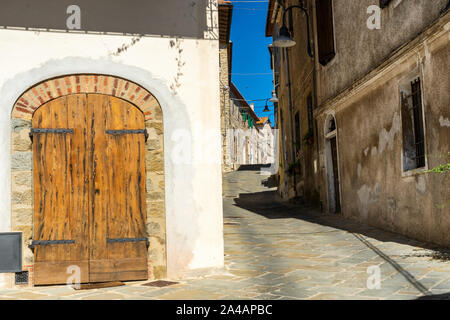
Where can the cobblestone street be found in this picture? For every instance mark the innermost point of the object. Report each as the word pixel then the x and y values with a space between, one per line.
pixel 275 250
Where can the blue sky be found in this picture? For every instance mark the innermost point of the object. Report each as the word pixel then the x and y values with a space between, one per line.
pixel 250 54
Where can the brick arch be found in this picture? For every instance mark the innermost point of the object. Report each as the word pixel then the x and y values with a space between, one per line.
pixel 22 157
pixel 54 88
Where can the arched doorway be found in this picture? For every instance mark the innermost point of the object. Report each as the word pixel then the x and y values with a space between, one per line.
pixel 332 164
pixel 97 186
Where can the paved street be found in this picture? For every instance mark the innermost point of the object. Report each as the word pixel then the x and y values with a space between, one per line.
pixel 275 250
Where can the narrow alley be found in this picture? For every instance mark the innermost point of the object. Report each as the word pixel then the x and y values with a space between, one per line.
pixel 277 250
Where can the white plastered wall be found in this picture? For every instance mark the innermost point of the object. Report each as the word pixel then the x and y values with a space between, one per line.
pixel 186 83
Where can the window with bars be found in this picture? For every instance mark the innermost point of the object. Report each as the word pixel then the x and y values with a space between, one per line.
pixel 413 127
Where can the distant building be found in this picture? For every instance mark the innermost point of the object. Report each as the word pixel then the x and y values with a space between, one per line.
pixel 266 143
pixel 241 135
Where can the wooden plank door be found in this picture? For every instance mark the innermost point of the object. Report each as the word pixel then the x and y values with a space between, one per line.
pixel 61 197
pixel 89 190
pixel 118 234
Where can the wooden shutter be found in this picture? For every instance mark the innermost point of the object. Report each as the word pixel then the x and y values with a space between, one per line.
pixel 325 30
pixel 419 136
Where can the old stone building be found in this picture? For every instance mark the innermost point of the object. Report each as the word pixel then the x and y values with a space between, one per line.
pixel 266 152
pixel 225 60
pixel 379 86
pixel 104 171
pixel 242 141
pixel 294 85
pixel 243 138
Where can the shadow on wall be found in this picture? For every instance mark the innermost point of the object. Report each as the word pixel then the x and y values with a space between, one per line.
pixel 173 18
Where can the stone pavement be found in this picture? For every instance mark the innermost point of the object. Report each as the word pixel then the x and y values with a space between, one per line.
pixel 276 250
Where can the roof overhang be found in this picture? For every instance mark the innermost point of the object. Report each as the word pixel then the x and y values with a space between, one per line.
pixel 269 24
pixel 225 16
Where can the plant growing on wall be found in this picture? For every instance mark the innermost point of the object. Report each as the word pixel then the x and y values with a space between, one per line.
pixel 441 168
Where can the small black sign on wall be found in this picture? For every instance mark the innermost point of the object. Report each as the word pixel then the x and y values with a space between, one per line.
pixel 10 252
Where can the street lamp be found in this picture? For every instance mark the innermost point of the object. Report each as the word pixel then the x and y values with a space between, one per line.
pixel 274 98
pixel 266 108
pixel 284 39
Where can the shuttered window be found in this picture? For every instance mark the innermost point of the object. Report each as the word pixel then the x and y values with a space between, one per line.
pixel 419 139
pixel 325 30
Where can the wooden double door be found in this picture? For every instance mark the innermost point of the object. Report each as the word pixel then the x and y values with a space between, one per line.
pixel 89 190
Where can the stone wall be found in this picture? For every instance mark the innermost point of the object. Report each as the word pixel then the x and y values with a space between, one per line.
pixel 365 49
pixel 375 188
pixel 301 81
pixel 225 105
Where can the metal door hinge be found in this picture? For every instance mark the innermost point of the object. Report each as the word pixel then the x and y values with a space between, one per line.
pixel 137 131
pixel 49 242
pixel 43 130
pixel 117 240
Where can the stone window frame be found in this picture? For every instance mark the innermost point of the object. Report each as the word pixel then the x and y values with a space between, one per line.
pixel 404 85
pixel 22 157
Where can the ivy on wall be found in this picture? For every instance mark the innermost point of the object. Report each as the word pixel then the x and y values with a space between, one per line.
pixel 442 168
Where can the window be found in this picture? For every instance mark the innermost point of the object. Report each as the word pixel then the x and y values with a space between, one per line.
pixel 412 126
pixel 325 30
pixel 309 106
pixel 283 136
pixel 298 140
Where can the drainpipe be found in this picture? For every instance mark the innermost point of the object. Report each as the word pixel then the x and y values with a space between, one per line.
pixel 290 117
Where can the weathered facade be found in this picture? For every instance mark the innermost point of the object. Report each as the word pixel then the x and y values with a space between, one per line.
pixel 242 142
pixel 294 82
pixel 154 91
pixel 381 111
pixel 266 152
pixel 225 60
